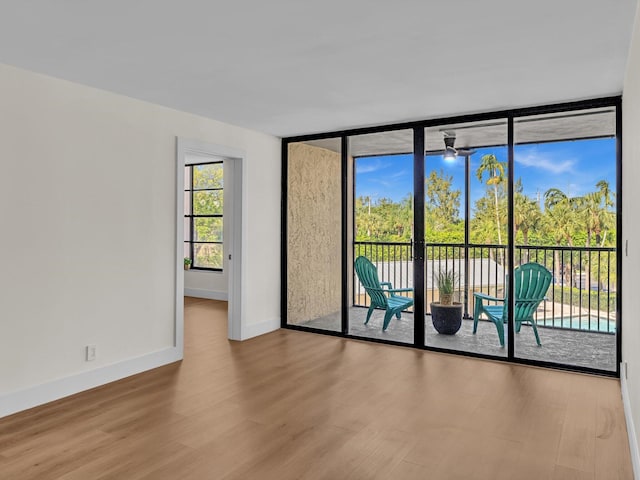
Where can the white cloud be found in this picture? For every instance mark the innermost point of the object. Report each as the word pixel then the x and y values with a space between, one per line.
pixel 401 173
pixel 577 190
pixel 545 163
pixel 368 167
pixel 385 183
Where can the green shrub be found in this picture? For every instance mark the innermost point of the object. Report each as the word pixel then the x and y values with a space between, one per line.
pixel 576 297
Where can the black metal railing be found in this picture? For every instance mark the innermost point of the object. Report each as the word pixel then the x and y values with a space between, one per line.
pixel 581 297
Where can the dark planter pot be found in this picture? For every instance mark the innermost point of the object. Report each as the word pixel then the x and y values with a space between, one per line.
pixel 446 319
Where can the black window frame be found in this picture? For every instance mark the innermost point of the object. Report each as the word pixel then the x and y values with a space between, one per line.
pixel 418 126
pixel 189 167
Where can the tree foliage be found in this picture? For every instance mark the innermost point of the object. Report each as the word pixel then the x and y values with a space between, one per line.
pixel 527 216
pixel 494 169
pixel 560 220
pixel 443 203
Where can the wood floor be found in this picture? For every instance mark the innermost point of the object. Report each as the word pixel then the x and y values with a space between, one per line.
pixel 298 405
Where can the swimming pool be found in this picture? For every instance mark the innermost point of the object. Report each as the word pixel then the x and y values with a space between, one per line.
pixel 590 323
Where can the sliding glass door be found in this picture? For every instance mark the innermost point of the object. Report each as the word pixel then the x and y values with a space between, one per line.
pixel 383 233
pixel 565 220
pixel 513 218
pixel 466 232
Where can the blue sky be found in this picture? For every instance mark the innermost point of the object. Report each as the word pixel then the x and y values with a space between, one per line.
pixel 573 166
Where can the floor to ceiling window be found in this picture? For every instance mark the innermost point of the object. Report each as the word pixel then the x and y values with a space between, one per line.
pixel 314 244
pixel 565 219
pixel 506 223
pixel 466 171
pixel 382 232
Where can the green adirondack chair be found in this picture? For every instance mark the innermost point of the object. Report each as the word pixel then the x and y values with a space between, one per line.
pixel 381 297
pixel 531 285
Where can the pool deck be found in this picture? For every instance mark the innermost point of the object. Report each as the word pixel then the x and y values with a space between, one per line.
pixel 568 347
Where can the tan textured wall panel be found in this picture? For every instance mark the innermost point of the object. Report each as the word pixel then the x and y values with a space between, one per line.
pixel 313 224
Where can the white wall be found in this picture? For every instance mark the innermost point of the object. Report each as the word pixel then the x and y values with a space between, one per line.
pixel 631 233
pixel 206 284
pixel 87 249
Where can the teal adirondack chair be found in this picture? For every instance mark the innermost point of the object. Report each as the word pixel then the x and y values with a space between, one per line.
pixel 531 285
pixel 381 297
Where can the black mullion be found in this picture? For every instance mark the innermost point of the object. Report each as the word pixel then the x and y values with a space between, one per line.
pixel 353 224
pixel 191 249
pixel 345 238
pixel 618 235
pixel 467 213
pixel 511 240
pixel 419 339
pixel 284 240
pixel 214 162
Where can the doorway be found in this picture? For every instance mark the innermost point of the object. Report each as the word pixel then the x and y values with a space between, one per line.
pixel 221 242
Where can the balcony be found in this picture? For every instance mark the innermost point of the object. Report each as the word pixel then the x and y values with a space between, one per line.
pixel 577 321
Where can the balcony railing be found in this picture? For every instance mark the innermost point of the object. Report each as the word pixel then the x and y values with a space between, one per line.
pixel 581 297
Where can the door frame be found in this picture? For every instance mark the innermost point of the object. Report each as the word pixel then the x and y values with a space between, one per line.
pixel 234 158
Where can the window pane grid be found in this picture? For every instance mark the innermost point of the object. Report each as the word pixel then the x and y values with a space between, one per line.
pixel 203 215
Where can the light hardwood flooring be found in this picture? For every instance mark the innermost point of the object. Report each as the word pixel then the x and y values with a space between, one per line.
pixel 298 405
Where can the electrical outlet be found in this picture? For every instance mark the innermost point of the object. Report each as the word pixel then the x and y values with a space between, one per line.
pixel 91 353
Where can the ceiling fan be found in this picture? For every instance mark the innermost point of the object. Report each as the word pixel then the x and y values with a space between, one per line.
pixel 450 152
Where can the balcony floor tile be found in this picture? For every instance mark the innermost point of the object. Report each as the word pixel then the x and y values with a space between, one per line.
pixel 567 347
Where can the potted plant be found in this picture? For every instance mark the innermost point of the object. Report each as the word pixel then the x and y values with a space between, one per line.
pixel 446 314
pixel 187 263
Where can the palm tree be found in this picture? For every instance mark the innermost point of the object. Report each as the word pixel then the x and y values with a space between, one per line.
pixel 561 216
pixel 597 216
pixel 495 170
pixel 526 216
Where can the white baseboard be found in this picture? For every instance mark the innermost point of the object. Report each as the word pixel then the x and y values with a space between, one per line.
pixel 266 326
pixel 210 294
pixel 48 392
pixel 631 429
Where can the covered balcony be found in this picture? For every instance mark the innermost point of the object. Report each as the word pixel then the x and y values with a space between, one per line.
pixel 477 197
pixel 576 321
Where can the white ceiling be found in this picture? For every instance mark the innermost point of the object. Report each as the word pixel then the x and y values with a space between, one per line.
pixel 290 67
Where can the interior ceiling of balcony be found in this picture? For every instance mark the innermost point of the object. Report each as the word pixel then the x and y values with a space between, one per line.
pixel 288 67
pixel 575 125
